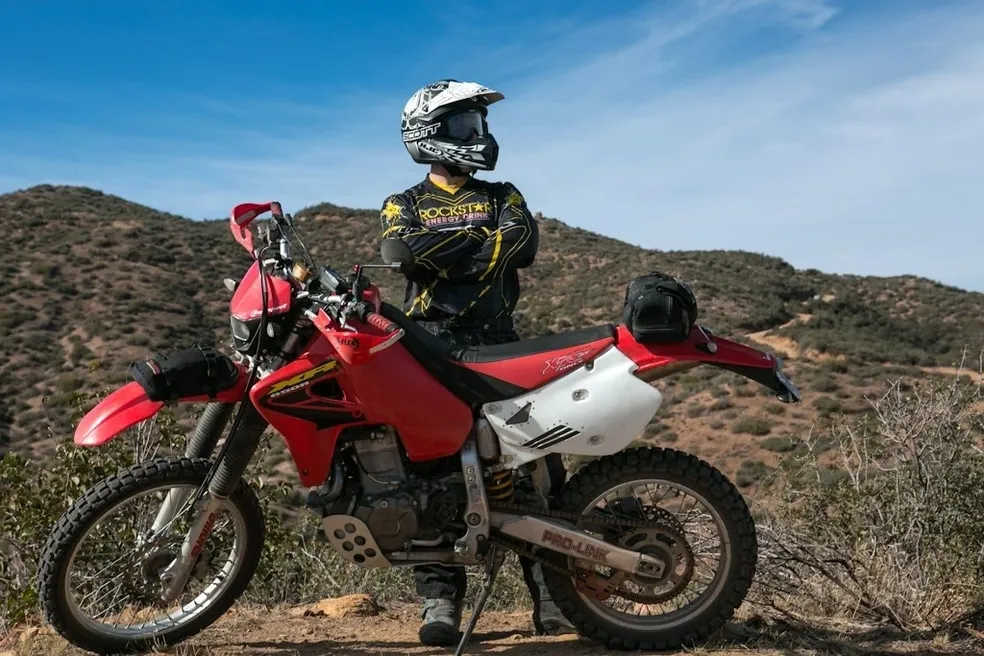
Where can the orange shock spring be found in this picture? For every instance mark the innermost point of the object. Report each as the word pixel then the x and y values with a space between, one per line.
pixel 500 486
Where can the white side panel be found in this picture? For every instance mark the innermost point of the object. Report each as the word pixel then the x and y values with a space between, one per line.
pixel 594 410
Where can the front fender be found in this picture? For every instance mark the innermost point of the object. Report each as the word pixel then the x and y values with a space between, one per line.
pixel 129 405
pixel 123 408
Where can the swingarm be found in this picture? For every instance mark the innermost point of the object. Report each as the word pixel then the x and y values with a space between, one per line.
pixel 556 536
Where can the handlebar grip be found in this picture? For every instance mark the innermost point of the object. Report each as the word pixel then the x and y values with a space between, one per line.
pixel 380 322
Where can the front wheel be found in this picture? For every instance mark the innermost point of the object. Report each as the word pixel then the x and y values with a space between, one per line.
pixel 102 568
pixel 697 524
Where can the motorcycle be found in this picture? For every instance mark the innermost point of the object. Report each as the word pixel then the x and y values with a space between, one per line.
pixel 413 453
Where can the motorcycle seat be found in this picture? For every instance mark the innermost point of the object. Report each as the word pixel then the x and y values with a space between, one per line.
pixel 444 361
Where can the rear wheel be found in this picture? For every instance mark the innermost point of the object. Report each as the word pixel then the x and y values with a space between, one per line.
pixel 701 529
pixel 101 570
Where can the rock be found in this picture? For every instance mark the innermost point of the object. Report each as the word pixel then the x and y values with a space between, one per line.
pixel 357 605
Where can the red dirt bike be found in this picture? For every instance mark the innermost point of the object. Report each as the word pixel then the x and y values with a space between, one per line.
pixel 414 453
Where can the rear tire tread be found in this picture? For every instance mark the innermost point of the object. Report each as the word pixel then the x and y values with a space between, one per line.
pixel 609 471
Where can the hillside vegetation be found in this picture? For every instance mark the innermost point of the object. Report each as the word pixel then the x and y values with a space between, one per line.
pixel 872 485
pixel 95 282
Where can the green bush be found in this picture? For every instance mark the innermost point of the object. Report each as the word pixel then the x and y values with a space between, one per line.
pixel 837 366
pixel 751 472
pixel 721 404
pixel 826 405
pixel 825 384
pixel 695 411
pixel 655 428
pixel 779 444
pixel 752 426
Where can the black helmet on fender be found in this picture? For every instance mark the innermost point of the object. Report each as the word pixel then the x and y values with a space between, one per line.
pixel 444 123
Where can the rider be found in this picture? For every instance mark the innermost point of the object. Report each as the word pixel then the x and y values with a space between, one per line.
pixel 469 238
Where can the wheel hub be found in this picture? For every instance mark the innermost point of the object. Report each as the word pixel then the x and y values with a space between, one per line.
pixel 666 543
pixel 157 562
pixel 670 546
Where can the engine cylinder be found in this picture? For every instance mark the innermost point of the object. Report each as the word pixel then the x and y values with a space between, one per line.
pixel 381 463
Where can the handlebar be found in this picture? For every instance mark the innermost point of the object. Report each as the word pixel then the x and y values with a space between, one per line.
pixel 361 310
pixel 328 279
pixel 382 323
pixel 364 312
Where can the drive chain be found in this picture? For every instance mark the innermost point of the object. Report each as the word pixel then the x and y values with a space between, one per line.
pixel 666 521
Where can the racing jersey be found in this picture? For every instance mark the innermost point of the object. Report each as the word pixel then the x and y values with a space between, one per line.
pixel 468 242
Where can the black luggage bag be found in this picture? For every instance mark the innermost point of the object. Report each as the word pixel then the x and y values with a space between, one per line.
pixel 659 309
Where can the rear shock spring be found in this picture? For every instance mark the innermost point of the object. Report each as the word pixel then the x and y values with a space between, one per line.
pixel 499 487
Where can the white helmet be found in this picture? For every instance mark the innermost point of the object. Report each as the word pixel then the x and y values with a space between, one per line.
pixel 444 123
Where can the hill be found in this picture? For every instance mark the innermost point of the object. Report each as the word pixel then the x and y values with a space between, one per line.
pixel 93 282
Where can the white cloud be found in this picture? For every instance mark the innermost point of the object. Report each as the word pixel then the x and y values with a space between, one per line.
pixel 855 147
pixel 860 151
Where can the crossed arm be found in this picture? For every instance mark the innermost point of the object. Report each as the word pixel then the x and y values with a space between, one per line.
pixel 472 254
pixel 433 250
pixel 512 245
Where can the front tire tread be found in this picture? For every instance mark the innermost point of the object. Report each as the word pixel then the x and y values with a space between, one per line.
pixel 91 506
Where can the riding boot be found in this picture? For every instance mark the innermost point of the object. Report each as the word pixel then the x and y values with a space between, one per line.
pixel 441 619
pixel 547 617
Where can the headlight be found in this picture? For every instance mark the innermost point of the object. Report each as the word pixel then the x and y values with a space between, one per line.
pixel 243 333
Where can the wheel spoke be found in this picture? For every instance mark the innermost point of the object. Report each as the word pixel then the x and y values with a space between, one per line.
pixel 691 541
pixel 112 588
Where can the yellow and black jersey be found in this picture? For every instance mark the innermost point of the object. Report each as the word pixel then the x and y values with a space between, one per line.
pixel 468 243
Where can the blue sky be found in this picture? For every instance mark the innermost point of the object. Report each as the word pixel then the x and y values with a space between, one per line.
pixel 846 135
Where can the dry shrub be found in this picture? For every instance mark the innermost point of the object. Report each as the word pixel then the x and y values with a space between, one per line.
pixel 885 525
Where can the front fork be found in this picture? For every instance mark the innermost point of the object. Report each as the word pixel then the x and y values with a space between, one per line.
pixel 201 444
pixel 233 458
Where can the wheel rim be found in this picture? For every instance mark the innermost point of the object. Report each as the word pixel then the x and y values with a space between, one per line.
pixel 687 506
pixel 126 571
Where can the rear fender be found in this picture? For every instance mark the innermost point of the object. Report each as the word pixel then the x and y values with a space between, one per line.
pixel 657 361
pixel 129 405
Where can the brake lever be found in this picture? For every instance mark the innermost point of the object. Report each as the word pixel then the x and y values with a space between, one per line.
pixel 344 311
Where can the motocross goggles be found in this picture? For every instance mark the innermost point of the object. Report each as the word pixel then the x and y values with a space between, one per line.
pixel 464 126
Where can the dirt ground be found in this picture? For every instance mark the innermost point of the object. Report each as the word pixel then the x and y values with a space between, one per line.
pixel 359 630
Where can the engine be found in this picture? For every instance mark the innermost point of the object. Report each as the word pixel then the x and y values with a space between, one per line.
pixel 397 505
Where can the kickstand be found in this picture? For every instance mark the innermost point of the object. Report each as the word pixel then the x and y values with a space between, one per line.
pixel 496 557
